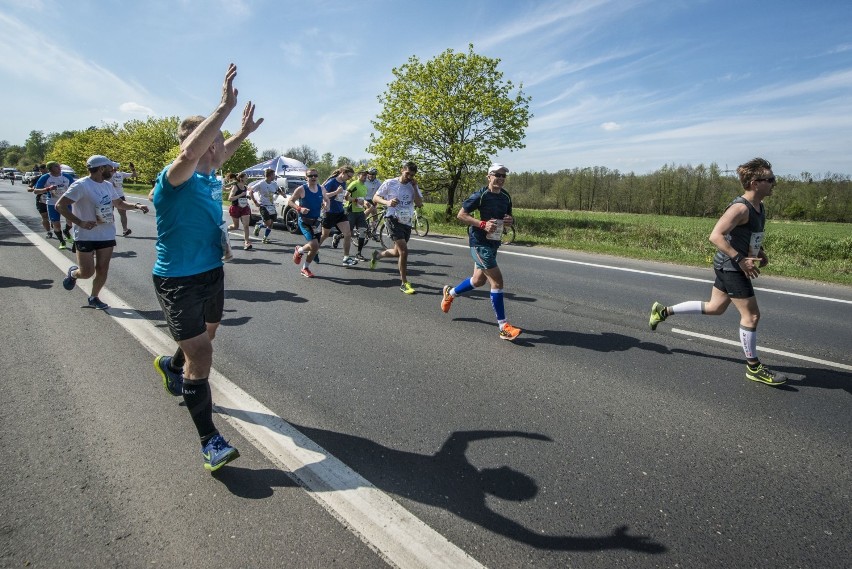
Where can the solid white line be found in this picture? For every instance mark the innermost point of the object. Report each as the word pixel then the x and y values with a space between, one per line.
pixel 764 349
pixel 504 251
pixel 393 532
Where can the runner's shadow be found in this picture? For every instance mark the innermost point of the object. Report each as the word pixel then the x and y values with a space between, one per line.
pixel 253 484
pixel 264 296
pixel 124 254
pixel 9 282
pixel 447 479
pixel 255 261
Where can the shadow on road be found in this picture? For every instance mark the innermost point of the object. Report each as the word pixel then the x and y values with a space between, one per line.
pixel 447 479
pixel 264 296
pixel 253 484
pixel 9 282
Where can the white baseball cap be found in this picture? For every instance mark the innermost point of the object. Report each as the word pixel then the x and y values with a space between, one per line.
pixel 97 161
pixel 496 167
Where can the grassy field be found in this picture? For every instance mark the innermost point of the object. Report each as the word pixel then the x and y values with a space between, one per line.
pixel 804 250
pixel 815 251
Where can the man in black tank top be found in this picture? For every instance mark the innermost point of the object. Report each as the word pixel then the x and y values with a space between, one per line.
pixel 738 238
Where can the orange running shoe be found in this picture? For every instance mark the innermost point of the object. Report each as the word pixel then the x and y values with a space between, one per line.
pixel 509 332
pixel 447 300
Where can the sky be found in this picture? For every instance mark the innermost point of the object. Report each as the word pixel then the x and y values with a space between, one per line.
pixel 631 85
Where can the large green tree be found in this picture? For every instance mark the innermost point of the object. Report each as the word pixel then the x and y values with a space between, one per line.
pixel 451 115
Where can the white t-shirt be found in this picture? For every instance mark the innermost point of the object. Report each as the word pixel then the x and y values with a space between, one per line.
pixel 264 192
pixel 118 181
pixel 393 188
pixel 93 202
pixel 372 187
pixel 61 183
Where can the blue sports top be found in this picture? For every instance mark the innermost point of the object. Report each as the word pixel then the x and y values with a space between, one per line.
pixel 490 206
pixel 189 240
pixel 312 201
pixel 335 203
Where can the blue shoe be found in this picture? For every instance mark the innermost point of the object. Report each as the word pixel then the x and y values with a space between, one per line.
pixel 70 282
pixel 97 303
pixel 172 381
pixel 217 453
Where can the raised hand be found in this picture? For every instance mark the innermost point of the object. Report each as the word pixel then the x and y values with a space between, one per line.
pixel 229 92
pixel 249 125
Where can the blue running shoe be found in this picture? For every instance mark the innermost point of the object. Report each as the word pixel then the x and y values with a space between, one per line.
pixel 217 453
pixel 172 381
pixel 70 282
pixel 97 303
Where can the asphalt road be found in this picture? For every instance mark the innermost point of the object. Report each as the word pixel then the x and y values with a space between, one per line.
pixel 591 441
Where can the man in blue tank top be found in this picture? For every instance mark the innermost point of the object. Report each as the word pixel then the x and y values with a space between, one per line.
pixel 188 275
pixel 738 237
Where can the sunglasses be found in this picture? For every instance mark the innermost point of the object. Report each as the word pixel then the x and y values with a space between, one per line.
pixel 499 175
pixel 313 176
pixel 771 179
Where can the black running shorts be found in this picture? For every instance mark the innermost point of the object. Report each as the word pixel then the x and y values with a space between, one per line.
pixel 734 283
pixel 190 303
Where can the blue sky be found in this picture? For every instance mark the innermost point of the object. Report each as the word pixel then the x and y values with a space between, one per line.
pixel 630 85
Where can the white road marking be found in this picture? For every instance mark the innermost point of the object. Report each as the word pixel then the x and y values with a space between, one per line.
pixel 503 251
pixel 764 349
pixel 401 538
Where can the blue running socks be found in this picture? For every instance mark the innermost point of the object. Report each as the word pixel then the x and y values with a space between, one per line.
pixel 497 303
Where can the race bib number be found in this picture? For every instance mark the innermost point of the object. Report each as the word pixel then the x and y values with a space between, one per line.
pixel 270 209
pixel 497 234
pixel 242 202
pixel 43 198
pixel 755 244
pixel 404 217
pixel 104 214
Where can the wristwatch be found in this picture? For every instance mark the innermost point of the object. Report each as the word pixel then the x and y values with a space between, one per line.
pixel 738 258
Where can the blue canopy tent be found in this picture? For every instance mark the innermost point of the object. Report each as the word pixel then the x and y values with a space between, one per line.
pixel 281 164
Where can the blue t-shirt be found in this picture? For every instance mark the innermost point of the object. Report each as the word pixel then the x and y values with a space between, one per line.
pixel 336 203
pixel 491 206
pixel 189 240
pixel 311 201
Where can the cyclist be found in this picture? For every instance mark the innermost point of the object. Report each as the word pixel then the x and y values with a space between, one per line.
pixel 495 211
pixel 312 200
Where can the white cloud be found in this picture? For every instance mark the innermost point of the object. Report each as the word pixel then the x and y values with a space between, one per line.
pixel 135 108
pixel 611 126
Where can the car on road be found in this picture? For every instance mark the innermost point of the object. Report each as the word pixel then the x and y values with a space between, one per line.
pixel 287 216
pixel 29 177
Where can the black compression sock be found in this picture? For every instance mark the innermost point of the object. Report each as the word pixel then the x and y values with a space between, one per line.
pixel 178 360
pixel 196 395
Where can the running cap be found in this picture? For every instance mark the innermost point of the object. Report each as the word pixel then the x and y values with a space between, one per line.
pixel 496 167
pixel 97 161
pixel 50 164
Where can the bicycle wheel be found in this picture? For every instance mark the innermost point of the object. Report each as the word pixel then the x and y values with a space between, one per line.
pixel 373 227
pixel 421 226
pixel 508 234
pixel 383 233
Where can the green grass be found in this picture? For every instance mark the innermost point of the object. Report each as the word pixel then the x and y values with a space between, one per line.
pixel 804 250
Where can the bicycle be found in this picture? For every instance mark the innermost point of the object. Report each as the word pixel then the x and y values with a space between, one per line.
pixel 508 234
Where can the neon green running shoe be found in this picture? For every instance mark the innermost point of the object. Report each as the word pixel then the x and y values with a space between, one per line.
pixel 407 288
pixel 765 375
pixel 658 314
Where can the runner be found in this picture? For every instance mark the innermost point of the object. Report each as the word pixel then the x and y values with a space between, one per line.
pixel 738 237
pixel 50 187
pixel 92 200
pixel 41 206
pixel 495 211
pixel 239 210
pixel 118 181
pixel 335 215
pixel 373 184
pixel 356 193
pixel 188 276
pixel 263 195
pixel 312 201
pixel 400 195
